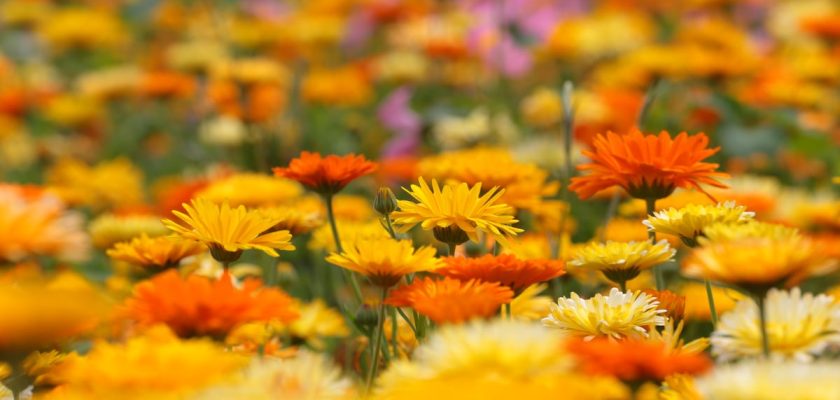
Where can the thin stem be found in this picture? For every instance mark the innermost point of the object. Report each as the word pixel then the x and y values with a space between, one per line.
pixel 452 247
pixel 357 291
pixel 762 318
pixel 710 296
pixel 507 311
pixel 623 286
pixel 394 333
pixel 377 343
pixel 657 270
pixel 390 227
pixel 650 96
pixel 407 320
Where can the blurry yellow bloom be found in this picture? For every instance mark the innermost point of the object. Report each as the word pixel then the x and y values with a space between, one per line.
pixel 529 305
pixel 196 56
pixel 222 130
pixel 227 231
pixel 630 230
pixel 768 380
pixel 82 28
pixel 351 208
pixel 107 185
pixel 24 13
pixel 71 110
pixel 385 261
pixel 722 232
pixel 250 71
pixel 38 365
pixel 295 220
pixel 617 315
pixel 670 336
pixel 690 222
pixel 18 149
pixel 406 340
pixel 346 86
pixel 108 229
pixel 349 232
pixel 454 132
pixel 251 190
pixel 531 246
pixel 622 261
pixel 108 83
pixel 317 321
pixel 155 252
pixel 402 67
pixel 599 34
pixel 697 303
pixel 799 327
pixel 543 108
pixel 679 199
pixel 679 387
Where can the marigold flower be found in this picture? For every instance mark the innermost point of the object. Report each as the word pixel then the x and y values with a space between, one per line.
pixel 385 261
pixel 251 190
pixel 326 175
pixel 622 261
pixel 107 185
pixel 456 213
pixel 617 315
pixel 228 231
pixel 450 300
pixel 157 252
pixel 647 166
pixel 505 269
pixel 635 360
pixel 689 222
pixel 799 327
pixel 197 306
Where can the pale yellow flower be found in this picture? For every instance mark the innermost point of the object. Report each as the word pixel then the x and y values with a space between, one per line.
pixel 617 315
pixel 767 380
pixel 689 222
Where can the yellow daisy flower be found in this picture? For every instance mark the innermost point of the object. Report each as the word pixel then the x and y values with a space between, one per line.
pixel 316 320
pixel 385 261
pixel 228 231
pixel 622 261
pixel 109 229
pixel 689 222
pixel 456 213
pixel 616 315
pixel 155 252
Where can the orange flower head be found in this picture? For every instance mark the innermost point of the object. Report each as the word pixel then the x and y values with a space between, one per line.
pixel 504 269
pixel 647 166
pixel 197 306
pixel 450 300
pixel 326 175
pixel 635 360
pixel 669 301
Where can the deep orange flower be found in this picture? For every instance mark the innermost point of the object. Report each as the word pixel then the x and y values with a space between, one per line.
pixel 827 25
pixel 450 300
pixel 647 166
pixel 635 360
pixel 505 269
pixel 198 306
pixel 326 175
pixel 166 84
pixel 669 301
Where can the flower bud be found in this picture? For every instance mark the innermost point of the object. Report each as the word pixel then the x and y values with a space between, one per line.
pixel 385 202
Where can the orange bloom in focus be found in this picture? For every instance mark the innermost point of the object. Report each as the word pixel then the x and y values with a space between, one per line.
pixel 504 269
pixel 635 360
pixel 647 166
pixel 450 300
pixel 197 306
pixel 326 175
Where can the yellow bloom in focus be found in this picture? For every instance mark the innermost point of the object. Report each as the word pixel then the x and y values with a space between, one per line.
pixel 228 231
pixel 542 108
pixel 697 303
pixel 82 28
pixel 251 190
pixel 529 305
pixel 617 315
pixel 305 376
pixel 456 213
pixel 349 232
pixel 109 229
pixel 316 321
pixel 800 327
pixel 385 261
pixel 689 222
pixel 110 184
pixel 767 380
pixel 157 366
pixel 622 261
pixel 679 387
pixel 156 252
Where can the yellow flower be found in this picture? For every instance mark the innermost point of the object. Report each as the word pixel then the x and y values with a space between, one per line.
pixel 110 184
pixel 529 305
pixel 767 380
pixel 402 66
pixel 349 232
pixel 679 387
pixel 249 71
pixel 295 220
pixel 542 108
pixel 689 222
pixel 721 232
pixel 670 336
pixel 351 208
pixel 154 366
pixel 110 82
pixel 622 261
pixel 251 190
pixel 799 327
pixel 385 261
pixel 82 28
pixel 456 213
pixel 697 303
pixel 39 364
pixel 155 252
pixel 72 111
pixel 316 320
pixel 617 315
pixel 228 231
pixel 109 229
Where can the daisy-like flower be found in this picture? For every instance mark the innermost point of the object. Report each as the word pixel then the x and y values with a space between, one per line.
pixel 251 190
pixel 617 315
pixel 679 387
pixel 505 269
pixel 670 336
pixel 456 213
pixel 109 229
pixel 799 327
pixel 197 306
pixel 296 221
pixel 622 261
pixel 529 305
pixel 647 166
pixel 672 303
pixel 689 222
pixel 769 380
pixel 450 300
pixel 635 360
pixel 317 321
pixel 155 253
pixel 385 261
pixel 326 175
pixel 228 231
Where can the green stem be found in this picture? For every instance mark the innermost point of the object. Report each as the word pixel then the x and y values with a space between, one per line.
pixel 390 227
pixel 508 313
pixel 377 342
pixel 623 286
pixel 710 296
pixel 650 96
pixel 357 291
pixel 394 333
pixel 762 318
pixel 407 320
pixel 650 204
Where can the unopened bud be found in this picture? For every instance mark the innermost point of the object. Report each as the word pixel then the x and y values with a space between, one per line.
pixel 385 202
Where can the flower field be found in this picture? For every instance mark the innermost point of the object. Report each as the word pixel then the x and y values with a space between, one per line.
pixel 415 199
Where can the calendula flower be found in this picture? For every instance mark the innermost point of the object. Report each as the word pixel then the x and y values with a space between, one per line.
pixel 295 220
pixel 697 302
pixel 635 360
pixel 385 261
pixel 456 213
pixel 111 184
pixel 349 232
pixel 228 231
pixel 493 360
pixel 39 364
pixel 156 252
pixel 197 306
pixel 689 222
pixel 543 108
pixel 679 387
pixel 505 269
pixel 450 300
pixel 799 327
pixel 317 321
pixel 109 229
pixel 672 303
pixel 768 380
pixel 326 175
pixel 251 190
pixel 617 315
pixel 722 232
pixel 670 336
pixel 647 166
pixel 622 261
pixel 307 375
pixel 156 365
pixel 529 305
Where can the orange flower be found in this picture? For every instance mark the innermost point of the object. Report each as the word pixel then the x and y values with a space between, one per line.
pixel 647 166
pixel 197 306
pixel 635 360
pixel 827 25
pixel 163 84
pixel 669 301
pixel 326 175
pixel 505 269
pixel 450 300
